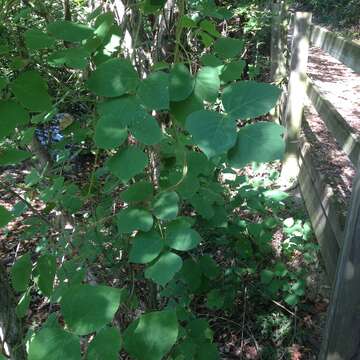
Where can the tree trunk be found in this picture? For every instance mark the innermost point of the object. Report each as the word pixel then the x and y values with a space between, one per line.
pixel 11 329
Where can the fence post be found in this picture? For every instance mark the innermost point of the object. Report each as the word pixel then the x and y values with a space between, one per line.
pixel 279 25
pixel 342 332
pixel 296 94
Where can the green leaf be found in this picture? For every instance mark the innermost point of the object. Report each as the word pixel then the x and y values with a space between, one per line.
pixel 260 142
pixel 88 308
pixel 105 345
pixel 209 267
pixel 207 351
pixel 120 109
pixel 232 71
pixel 215 299
pixel 145 128
pixel 53 343
pixel 5 216
pixel 127 163
pixel 206 39
pixel 69 31
pixel 291 299
pixel 31 91
pixel 228 48
pixel 207 84
pixel 164 269
pixel 181 83
pixel 211 60
pixel 151 336
pixel 23 305
pixel 113 78
pixel 20 272
pixel 11 156
pixel 140 191
pixel 46 266
pixel 153 92
pixel 36 39
pixel 109 132
pixel 249 99
pixel 183 239
pixel 166 205
pixel 210 27
pixel 145 247
pixel 212 132
pixel 182 109
pixel 191 274
pixel 131 219
pixel 75 58
pixel 266 276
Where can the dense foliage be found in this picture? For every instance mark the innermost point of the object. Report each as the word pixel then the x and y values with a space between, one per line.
pixel 163 97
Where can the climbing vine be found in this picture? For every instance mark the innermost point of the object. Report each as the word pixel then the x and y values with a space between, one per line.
pixel 163 119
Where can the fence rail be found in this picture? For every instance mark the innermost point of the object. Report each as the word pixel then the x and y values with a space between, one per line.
pixel 339 238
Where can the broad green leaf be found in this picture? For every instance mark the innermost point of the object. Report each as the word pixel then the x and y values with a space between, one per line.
pixel 200 330
pixel 191 274
pixel 182 109
pixel 207 351
pixel 292 299
pixel 109 132
pixel 36 40
pixel 127 163
pixel 211 60
pixel 69 31
pixel 206 39
pixel 105 345
pixel 46 266
pixel 88 308
pixel 232 71
pixel 140 191
pixel 164 269
pixel 266 276
pixel 53 343
pixel 212 132
pixel 181 83
pixel 113 78
pixel 151 336
pixel 166 205
pixel 183 239
pixel 249 99
pixel 131 219
pixel 154 91
pixel 259 142
pixel 5 216
pixel 215 299
pixel 145 128
pixel 23 305
pixel 209 267
pixel 145 247
pixel 121 109
pixel 228 48
pixel 12 156
pixel 203 206
pixel 20 272
pixel 210 27
pixel 207 84
pixel 30 90
pixel 75 58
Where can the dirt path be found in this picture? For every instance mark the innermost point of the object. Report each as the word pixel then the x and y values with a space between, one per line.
pixel 341 86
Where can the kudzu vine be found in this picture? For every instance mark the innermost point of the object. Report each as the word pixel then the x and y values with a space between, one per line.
pixel 161 139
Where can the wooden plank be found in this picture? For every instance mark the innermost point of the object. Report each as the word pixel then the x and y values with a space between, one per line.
pixel 325 194
pixel 348 52
pixel 321 225
pixel 339 127
pixel 342 332
pixel 296 96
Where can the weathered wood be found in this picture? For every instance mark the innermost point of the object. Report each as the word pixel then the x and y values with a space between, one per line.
pixel 319 220
pixel 342 333
pixel 325 194
pixel 348 52
pixel 297 93
pixel 279 29
pixel 339 127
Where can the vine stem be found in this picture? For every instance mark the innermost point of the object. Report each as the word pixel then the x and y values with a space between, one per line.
pixel 179 29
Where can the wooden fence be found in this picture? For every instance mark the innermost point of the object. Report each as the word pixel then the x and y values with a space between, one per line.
pixel 338 235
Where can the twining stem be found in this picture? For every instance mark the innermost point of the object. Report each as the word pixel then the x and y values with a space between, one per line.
pixel 179 29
